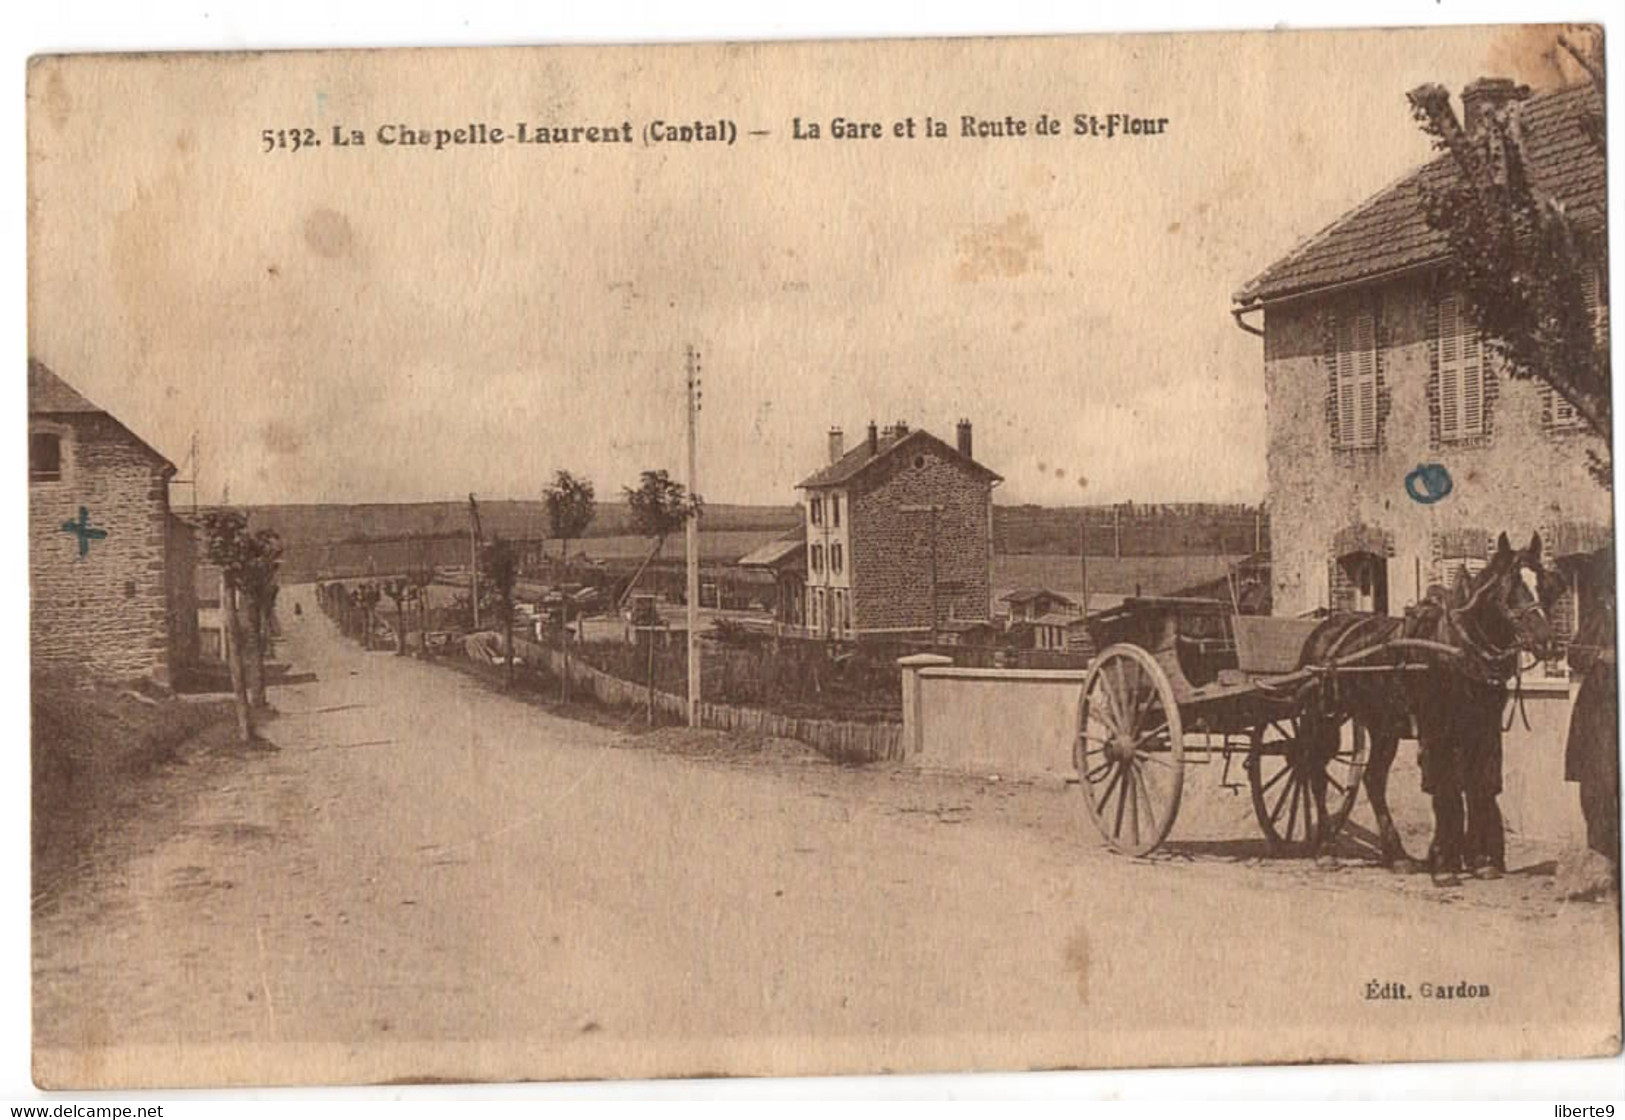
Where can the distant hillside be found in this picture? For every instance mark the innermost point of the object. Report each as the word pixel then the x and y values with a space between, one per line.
pixel 1185 529
pixel 378 537
pixel 310 524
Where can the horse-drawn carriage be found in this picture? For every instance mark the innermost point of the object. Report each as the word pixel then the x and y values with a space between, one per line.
pixel 1183 680
pixel 1299 700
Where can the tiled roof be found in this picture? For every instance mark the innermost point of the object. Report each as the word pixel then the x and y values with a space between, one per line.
pixel 1028 594
pixel 49 393
pixel 775 553
pixel 1057 620
pixel 1388 232
pixel 856 461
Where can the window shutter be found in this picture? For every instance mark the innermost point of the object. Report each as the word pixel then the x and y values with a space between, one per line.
pixel 1562 413
pixel 1343 350
pixel 1461 373
pixel 1449 369
pixel 1472 382
pixel 1365 372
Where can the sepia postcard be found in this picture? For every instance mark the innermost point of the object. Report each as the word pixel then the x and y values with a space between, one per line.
pixel 821 557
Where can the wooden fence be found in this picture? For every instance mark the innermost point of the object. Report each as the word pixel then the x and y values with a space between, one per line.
pixel 842 740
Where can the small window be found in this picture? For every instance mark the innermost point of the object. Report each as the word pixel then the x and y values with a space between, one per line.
pixel 1356 376
pixel 1461 373
pixel 919 461
pixel 816 511
pixel 816 561
pixel 1561 416
pixel 835 510
pixel 44 457
pixel 835 558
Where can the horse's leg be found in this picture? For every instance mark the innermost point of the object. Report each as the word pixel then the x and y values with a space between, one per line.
pixel 1384 748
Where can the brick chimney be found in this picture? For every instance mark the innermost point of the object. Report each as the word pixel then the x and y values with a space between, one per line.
pixel 964 439
pixel 901 427
pixel 1487 95
pixel 874 440
pixel 837 445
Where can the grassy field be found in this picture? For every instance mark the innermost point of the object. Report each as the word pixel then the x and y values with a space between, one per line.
pixel 1151 575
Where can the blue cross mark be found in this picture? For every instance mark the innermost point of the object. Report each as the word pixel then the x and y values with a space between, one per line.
pixel 84 532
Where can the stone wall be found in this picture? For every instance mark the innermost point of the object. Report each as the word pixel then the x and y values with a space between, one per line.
pixel 106 611
pixel 891 550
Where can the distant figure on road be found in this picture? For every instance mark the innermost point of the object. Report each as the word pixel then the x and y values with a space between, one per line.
pixel 298 611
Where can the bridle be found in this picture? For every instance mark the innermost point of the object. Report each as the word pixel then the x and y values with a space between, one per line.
pixel 1498 662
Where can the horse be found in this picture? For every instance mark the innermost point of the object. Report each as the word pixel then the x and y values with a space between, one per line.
pixel 1455 651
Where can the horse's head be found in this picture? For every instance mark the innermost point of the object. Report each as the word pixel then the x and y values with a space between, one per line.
pixel 1508 602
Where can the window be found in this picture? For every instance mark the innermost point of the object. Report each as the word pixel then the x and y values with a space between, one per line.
pixel 1560 414
pixel 835 558
pixel 1584 601
pixel 1565 618
pixel 1360 583
pixel 44 457
pixel 815 510
pixel 816 558
pixel 1461 373
pixel 1462 554
pixel 1355 339
pixel 841 622
pixel 835 510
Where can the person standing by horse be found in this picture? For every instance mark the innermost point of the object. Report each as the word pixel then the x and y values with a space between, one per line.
pixel 1592 754
pixel 1490 620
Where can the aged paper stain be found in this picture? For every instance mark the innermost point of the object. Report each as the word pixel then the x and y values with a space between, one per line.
pixel 1077 962
pixel 1004 250
pixel 328 233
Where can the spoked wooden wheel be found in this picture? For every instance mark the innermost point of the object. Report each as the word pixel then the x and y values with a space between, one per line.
pixel 1305 777
pixel 1130 749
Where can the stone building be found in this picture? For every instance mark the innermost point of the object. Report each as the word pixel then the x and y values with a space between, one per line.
pixel 111 568
pixel 900 523
pixel 1373 370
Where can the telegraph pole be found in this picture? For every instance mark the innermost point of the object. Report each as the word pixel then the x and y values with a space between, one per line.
pixel 474 558
pixel 691 537
pixel 1083 556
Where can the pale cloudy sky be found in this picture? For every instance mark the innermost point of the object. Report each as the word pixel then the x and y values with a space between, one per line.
pixel 373 324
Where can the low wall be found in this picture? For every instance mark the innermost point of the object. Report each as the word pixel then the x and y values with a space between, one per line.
pixel 842 740
pixel 1535 800
pixel 1015 722
pixel 989 721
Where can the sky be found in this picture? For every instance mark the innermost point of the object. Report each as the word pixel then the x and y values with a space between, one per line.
pixel 373 323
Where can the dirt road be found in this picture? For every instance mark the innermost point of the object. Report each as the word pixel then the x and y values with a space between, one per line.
pixel 430 880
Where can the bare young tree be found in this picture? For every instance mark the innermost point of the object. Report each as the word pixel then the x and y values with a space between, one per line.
pixel 228 550
pixel 399 591
pixel 571 506
pixel 660 507
pixel 499 564
pixel 260 586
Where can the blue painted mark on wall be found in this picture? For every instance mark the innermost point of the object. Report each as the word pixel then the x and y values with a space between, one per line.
pixel 1429 483
pixel 81 529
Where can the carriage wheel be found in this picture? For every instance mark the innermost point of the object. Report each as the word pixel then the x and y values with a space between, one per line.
pixel 1303 792
pixel 1130 749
